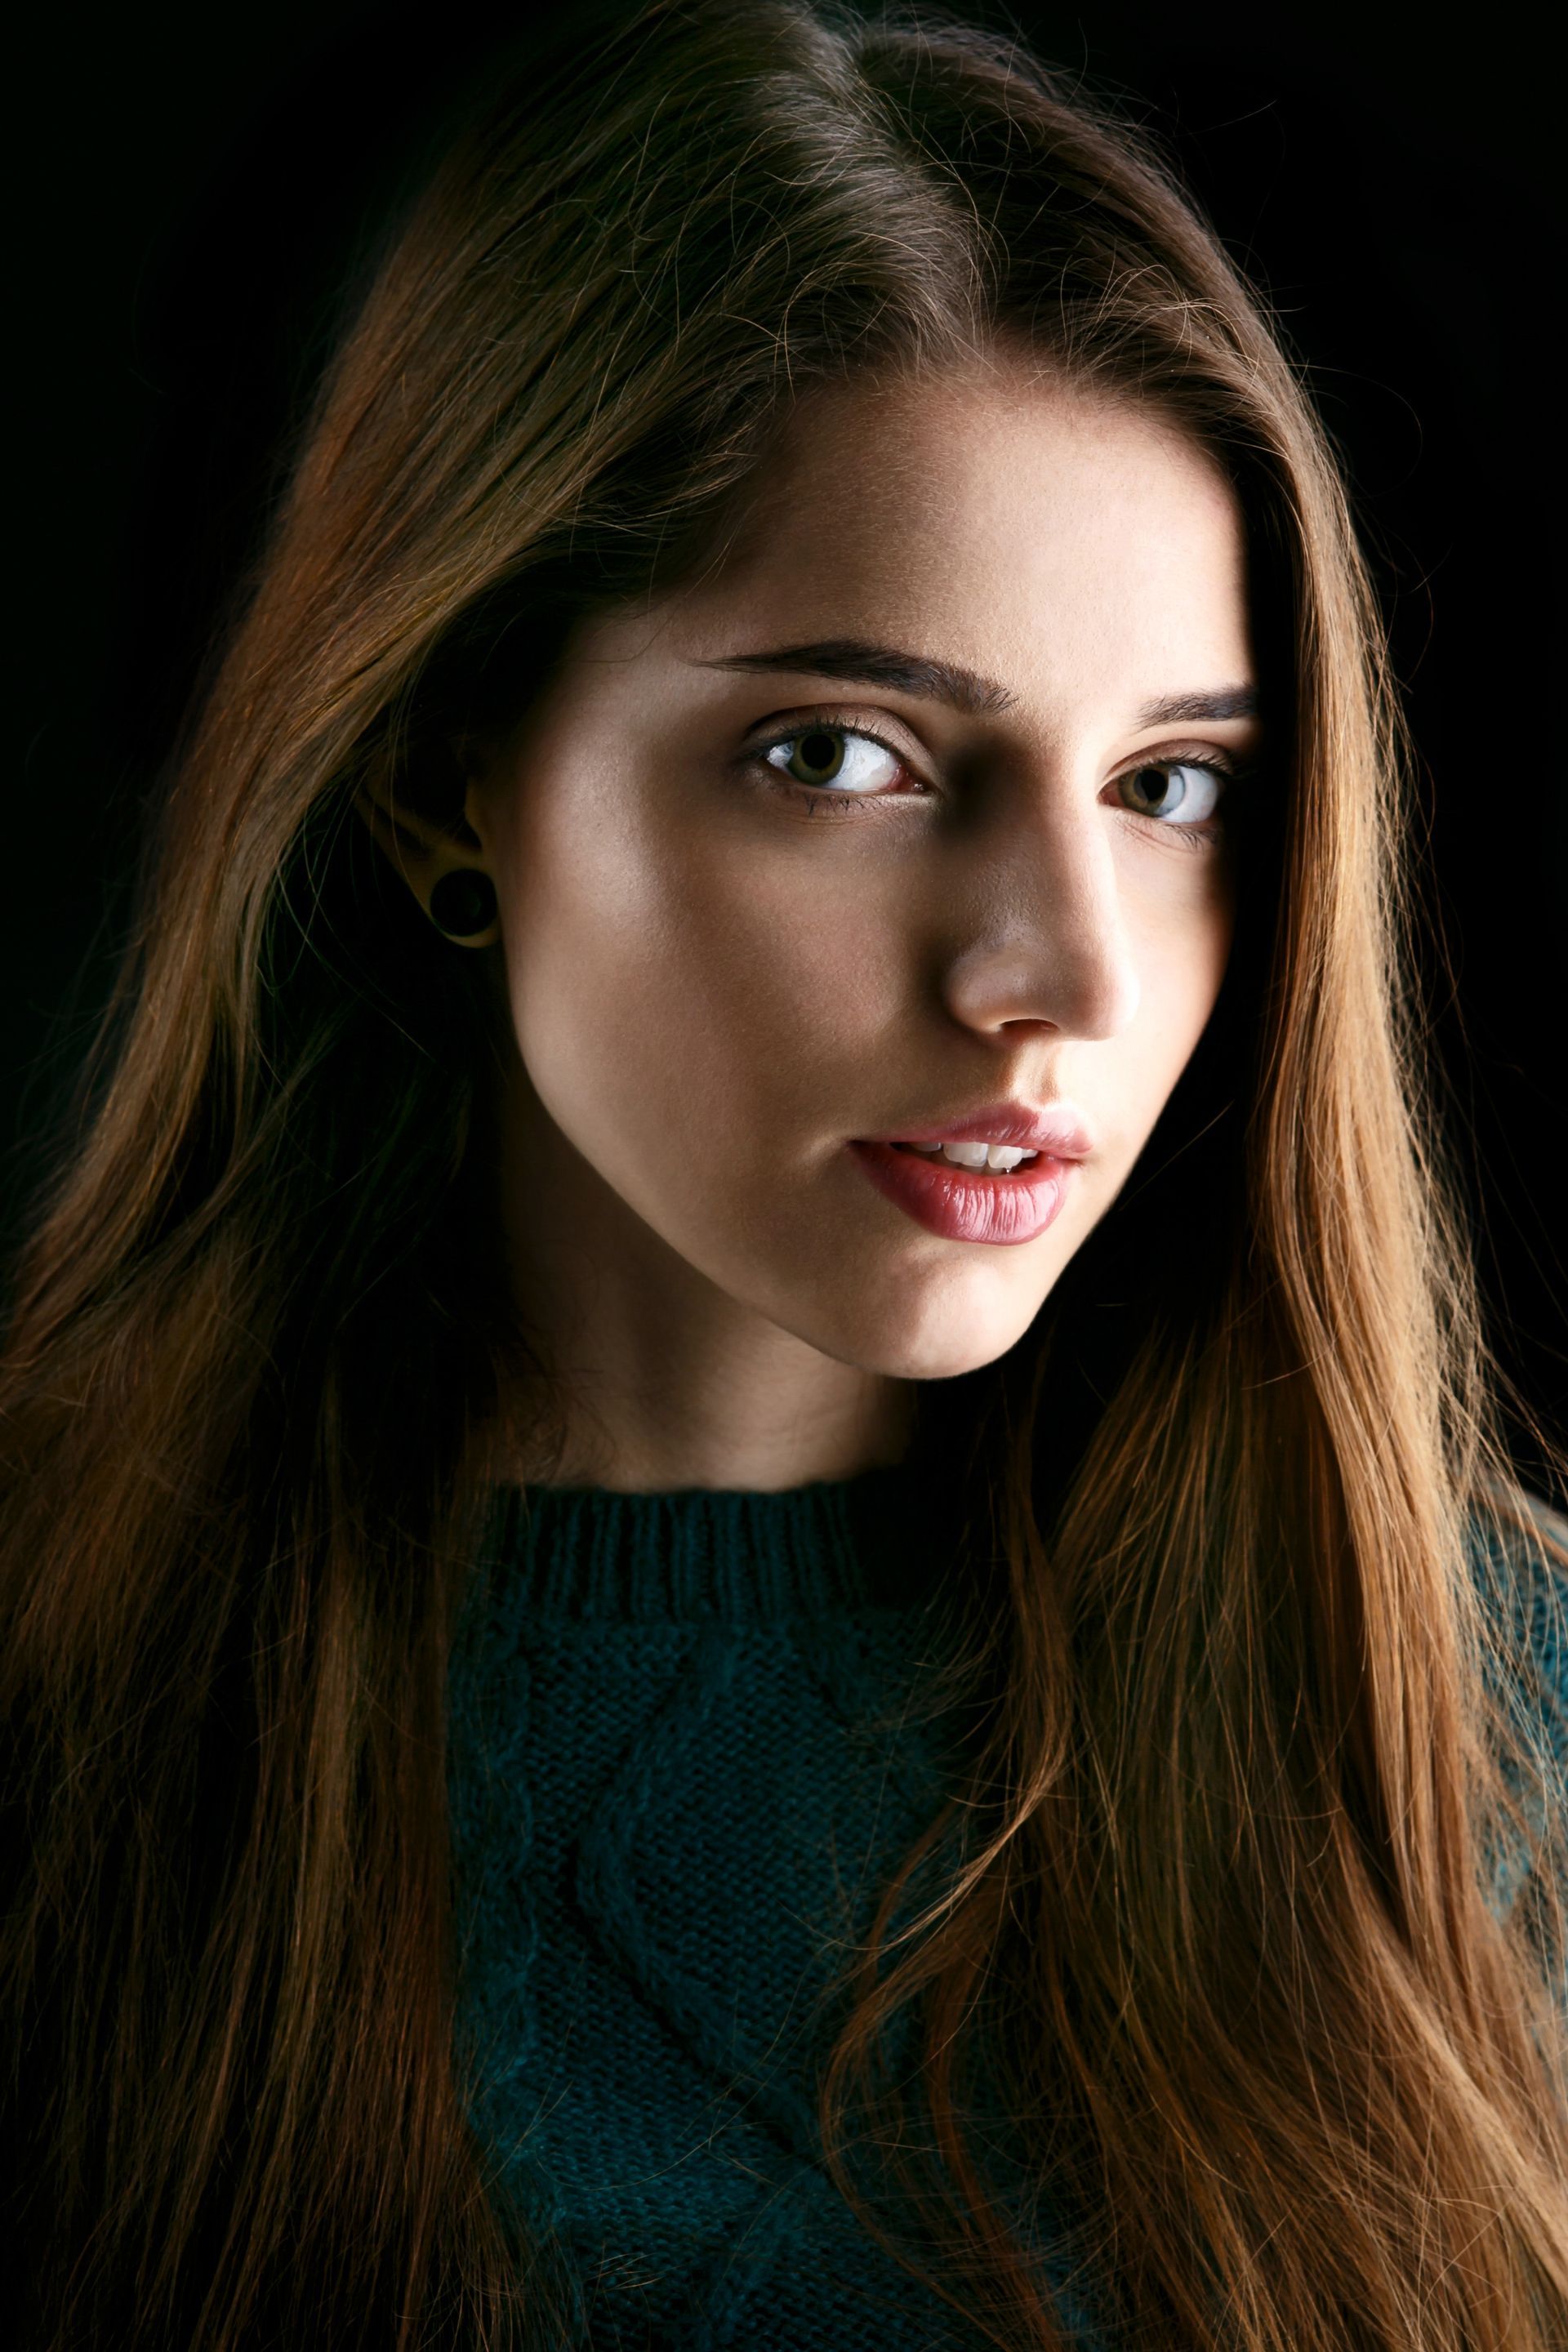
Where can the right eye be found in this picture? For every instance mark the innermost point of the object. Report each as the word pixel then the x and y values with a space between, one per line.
pixel 835 759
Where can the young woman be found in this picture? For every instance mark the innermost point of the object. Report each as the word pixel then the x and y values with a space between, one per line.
pixel 759 1589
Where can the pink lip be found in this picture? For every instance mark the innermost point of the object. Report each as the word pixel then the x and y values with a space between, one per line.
pixel 1059 1128
pixel 968 1205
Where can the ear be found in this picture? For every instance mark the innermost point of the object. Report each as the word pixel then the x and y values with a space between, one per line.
pixel 422 850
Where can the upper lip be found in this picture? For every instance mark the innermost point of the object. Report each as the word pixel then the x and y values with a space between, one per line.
pixel 1059 1127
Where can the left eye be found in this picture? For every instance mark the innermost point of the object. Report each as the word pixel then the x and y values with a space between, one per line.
pixel 839 758
pixel 1175 791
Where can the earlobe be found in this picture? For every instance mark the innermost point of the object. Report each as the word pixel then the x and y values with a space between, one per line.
pixel 463 906
pixel 456 892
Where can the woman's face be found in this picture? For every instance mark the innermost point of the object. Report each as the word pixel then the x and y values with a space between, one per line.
pixel 911 812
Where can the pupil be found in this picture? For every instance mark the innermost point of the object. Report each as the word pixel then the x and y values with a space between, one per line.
pixel 1155 787
pixel 819 751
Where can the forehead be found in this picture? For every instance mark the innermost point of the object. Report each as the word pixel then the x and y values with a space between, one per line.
pixel 1035 531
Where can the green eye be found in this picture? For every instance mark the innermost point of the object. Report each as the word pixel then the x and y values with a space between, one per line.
pixel 817 757
pixel 841 760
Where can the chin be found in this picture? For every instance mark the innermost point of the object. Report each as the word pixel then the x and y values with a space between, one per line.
pixel 941 1345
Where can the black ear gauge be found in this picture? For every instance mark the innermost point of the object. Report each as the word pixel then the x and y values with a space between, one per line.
pixel 463 903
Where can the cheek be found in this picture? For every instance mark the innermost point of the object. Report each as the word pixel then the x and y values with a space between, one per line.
pixel 1182 948
pixel 690 983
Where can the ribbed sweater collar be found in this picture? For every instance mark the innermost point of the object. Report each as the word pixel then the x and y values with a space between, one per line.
pixel 747 1556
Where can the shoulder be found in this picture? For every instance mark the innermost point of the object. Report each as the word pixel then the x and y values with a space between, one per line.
pixel 1518 1551
pixel 1519 1554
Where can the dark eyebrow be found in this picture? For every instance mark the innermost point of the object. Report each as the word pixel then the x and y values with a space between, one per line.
pixel 867 665
pixel 860 663
pixel 1224 702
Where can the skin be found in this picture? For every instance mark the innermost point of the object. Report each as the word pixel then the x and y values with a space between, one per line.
pixel 715 981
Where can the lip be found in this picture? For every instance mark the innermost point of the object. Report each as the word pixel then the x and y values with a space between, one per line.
pixel 1059 1128
pixel 965 1204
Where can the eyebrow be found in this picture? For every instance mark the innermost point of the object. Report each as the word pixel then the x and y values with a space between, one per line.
pixel 1222 702
pixel 866 665
pixel 863 664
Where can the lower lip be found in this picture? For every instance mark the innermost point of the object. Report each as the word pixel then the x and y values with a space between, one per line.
pixel 968 1205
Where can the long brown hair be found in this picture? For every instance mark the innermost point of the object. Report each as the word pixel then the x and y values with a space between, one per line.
pixel 1249 1743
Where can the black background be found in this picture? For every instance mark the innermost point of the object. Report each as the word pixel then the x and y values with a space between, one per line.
pixel 198 188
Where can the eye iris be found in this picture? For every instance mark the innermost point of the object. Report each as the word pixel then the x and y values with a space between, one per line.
pixel 816 757
pixel 1156 790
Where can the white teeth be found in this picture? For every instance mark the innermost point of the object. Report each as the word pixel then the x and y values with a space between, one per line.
pixel 1000 1157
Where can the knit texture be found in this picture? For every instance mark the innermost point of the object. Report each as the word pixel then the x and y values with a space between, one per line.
pixel 687 1751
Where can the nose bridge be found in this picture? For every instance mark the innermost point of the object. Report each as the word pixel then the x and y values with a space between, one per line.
pixel 1048 940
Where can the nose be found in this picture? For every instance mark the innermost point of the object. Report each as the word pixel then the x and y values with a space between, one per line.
pixel 1048 941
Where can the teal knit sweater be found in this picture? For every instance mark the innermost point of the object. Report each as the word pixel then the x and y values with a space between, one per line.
pixel 684 1755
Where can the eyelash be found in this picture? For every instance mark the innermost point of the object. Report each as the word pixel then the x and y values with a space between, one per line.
pixel 817 796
